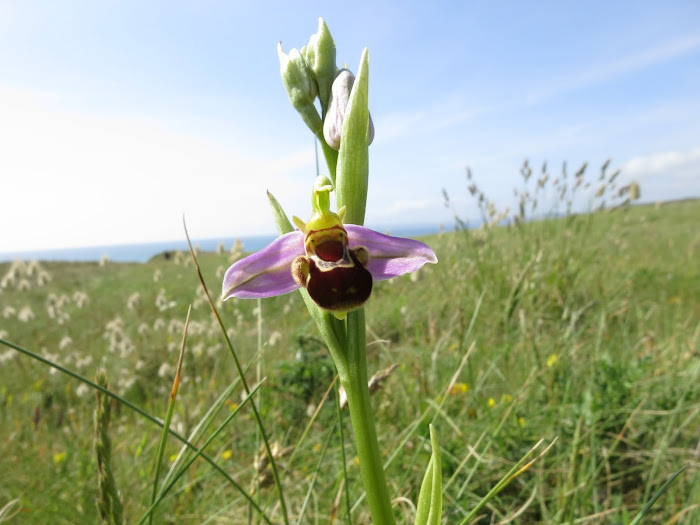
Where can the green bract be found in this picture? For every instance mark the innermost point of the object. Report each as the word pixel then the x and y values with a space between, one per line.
pixel 353 156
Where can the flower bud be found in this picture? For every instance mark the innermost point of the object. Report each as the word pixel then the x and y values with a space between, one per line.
pixel 340 95
pixel 301 86
pixel 320 58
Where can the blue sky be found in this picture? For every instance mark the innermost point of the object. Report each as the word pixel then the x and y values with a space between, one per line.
pixel 116 118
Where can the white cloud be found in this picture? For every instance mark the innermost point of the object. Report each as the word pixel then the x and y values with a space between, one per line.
pixel 669 164
pixel 667 175
pixel 72 178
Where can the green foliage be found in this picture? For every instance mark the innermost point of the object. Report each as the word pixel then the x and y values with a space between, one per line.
pixel 581 327
pixel 309 373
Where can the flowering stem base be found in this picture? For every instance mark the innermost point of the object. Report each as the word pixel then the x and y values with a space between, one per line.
pixel 355 384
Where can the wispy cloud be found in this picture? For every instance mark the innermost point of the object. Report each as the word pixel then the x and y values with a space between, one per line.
pixel 398 124
pixel 605 72
pixel 410 211
pixel 449 112
pixel 404 206
pixel 671 165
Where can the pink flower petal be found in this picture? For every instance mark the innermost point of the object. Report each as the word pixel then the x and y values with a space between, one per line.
pixel 265 273
pixel 389 256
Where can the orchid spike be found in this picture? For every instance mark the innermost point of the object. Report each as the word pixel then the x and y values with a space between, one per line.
pixel 336 263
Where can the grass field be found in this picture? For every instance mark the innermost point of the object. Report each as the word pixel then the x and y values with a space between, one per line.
pixel 584 328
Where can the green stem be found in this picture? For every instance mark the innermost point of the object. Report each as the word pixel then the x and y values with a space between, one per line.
pixel 355 383
pixel 330 155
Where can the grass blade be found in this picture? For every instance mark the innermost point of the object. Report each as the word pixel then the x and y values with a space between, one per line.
pixel 239 369
pixel 169 415
pixel 657 495
pixel 518 469
pixel 167 487
pixel 313 478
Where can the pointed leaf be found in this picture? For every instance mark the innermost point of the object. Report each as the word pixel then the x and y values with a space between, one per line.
pixel 353 156
pixel 281 219
pixel 429 508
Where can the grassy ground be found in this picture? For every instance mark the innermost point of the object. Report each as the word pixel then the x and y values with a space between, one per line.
pixel 583 328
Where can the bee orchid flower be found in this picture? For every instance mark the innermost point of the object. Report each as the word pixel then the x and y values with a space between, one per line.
pixel 337 263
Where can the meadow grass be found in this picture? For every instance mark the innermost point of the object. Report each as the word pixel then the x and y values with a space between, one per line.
pixel 580 330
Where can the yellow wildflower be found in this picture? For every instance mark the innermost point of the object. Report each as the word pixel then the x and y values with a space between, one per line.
pixel 459 388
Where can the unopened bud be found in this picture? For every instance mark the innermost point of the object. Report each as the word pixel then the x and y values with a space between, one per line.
pixel 340 94
pixel 319 54
pixel 301 86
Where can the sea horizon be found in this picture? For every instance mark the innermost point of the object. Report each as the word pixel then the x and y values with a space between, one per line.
pixel 143 252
